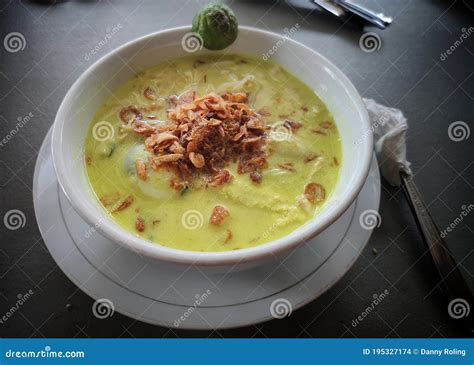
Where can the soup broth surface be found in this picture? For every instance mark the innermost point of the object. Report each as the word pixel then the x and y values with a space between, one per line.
pixel 302 146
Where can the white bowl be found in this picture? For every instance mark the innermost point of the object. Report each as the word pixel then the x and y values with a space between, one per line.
pixel 93 87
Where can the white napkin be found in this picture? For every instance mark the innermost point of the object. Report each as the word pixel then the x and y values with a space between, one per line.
pixel 389 126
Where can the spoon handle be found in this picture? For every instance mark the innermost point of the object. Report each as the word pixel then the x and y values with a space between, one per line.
pixel 331 7
pixel 378 19
pixel 451 278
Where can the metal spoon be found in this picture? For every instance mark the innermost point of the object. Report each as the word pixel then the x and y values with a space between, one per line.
pixel 330 7
pixel 452 281
pixel 340 8
pixel 378 19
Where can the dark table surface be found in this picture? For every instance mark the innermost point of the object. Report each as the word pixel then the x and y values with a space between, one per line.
pixel 409 72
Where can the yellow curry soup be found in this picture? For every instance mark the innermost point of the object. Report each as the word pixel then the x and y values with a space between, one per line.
pixel 213 153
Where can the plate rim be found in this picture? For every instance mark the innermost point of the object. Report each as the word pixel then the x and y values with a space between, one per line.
pixel 187 325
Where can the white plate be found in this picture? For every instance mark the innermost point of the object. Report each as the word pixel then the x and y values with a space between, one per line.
pixel 157 294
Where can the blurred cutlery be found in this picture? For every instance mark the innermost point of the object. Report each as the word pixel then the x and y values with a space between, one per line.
pixel 378 19
pixel 455 287
pixel 341 8
pixel 331 7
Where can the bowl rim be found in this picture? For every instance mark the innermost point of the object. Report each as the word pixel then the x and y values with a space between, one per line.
pixel 157 251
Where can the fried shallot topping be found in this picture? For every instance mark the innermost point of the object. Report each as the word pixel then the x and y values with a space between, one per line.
pixel 141 169
pixel 124 204
pixel 314 192
pixel 310 158
pixel 219 213
pixel 256 177
pixel 115 202
pixel 228 236
pixel 149 93
pixel 292 126
pixel 140 224
pixel 203 135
